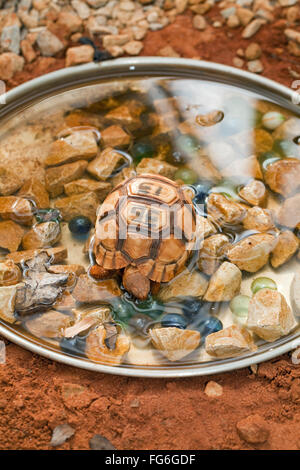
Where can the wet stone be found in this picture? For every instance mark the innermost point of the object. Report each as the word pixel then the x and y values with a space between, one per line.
pixel 50 324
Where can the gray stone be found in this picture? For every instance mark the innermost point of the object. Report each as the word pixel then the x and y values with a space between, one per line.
pixel 48 43
pixel 10 39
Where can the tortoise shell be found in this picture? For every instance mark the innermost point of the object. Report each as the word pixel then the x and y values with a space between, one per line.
pixel 148 222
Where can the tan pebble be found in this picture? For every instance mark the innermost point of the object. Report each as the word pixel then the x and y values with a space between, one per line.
pixel 253 51
pixel 115 51
pixel 10 235
pixel 244 15
pixel 69 22
pixel 17 209
pixel 213 389
pixel 133 47
pixel 238 62
pixel 217 24
pixel 292 35
pixel 201 9
pixel 252 28
pixel 7 303
pixel 127 6
pixel 10 181
pixel 115 40
pixel 42 235
pixel 135 403
pixel 295 294
pixel 229 342
pixel 168 51
pixel 233 21
pixel 286 246
pixel 79 55
pixel 269 315
pixel 35 190
pixel 293 14
pixel 253 429
pixel 287 3
pixel 27 51
pixel 224 284
pixel 56 177
pixel 85 204
pixel 10 63
pixel 139 33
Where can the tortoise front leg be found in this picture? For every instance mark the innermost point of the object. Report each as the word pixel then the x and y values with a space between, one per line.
pixel 136 283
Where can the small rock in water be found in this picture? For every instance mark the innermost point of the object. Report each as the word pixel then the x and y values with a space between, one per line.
pixel 61 434
pixel 98 442
pixel 213 389
pixel 2 352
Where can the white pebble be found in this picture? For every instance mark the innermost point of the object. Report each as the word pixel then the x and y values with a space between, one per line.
pixel 2 352
pixel 272 120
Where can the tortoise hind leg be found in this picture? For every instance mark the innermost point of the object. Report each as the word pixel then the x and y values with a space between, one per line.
pixel 136 283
